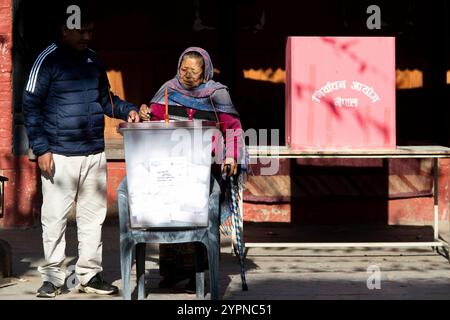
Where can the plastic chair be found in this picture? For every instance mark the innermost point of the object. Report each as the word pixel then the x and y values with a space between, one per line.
pixel 138 238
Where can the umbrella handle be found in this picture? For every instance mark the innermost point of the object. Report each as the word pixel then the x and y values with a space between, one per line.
pixel 228 169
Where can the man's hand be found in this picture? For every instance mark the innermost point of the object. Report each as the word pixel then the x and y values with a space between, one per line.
pixel 46 164
pixel 145 113
pixel 233 165
pixel 133 116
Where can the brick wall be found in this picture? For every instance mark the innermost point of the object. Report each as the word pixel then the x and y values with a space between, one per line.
pixel 5 76
pixel 21 196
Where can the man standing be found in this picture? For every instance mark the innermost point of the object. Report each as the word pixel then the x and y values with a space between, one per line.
pixel 64 102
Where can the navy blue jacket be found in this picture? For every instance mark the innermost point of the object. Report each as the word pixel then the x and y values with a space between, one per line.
pixel 64 102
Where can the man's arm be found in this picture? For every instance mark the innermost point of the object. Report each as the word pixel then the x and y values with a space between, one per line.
pixel 34 97
pixel 33 102
pixel 119 108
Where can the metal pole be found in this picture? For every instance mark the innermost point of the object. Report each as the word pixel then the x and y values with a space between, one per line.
pixel 436 198
pixel 306 245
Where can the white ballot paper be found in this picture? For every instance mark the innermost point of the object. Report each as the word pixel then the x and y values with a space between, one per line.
pixel 168 190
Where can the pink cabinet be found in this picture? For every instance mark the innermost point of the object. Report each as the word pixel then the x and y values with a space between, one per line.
pixel 340 93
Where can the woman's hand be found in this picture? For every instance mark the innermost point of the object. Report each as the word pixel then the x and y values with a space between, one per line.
pixel 145 113
pixel 233 165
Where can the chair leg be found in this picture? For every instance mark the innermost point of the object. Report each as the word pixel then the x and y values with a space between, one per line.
pixel 213 262
pixel 126 255
pixel 140 269
pixel 200 271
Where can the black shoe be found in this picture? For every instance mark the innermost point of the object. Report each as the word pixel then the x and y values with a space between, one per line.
pixel 48 290
pixel 191 286
pixel 167 283
pixel 170 282
pixel 99 286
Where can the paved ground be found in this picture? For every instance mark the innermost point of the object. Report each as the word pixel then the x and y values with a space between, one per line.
pixel 287 274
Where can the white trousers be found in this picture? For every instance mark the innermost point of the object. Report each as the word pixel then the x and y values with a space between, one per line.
pixel 80 180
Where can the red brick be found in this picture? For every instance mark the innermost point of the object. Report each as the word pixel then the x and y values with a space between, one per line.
pixel 6 131
pixel 5 96
pixel 267 212
pixel 5 104
pixel 5 88
pixel 6 138
pixel 5 115
pixel 21 194
pixel 6 35
pixel 5 79
pixel 6 145
pixel 5 14
pixel 6 159
pixel 5 26
pixel 5 11
pixel 444 186
pixel 116 172
pixel 5 110
pixel 6 121
pixel 5 92
pixel 7 148
pixel 6 65
pixel 5 76
pixel 6 3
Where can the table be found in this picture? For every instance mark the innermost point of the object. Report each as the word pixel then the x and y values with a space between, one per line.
pixel 431 152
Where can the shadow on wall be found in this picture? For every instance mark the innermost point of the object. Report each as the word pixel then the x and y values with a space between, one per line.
pixel 22 192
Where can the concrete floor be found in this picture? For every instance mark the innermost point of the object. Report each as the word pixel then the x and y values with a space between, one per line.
pixel 272 274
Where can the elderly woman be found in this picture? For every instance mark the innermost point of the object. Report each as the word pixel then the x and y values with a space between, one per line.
pixel 192 94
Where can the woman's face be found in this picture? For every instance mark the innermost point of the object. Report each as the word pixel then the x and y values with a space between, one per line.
pixel 191 72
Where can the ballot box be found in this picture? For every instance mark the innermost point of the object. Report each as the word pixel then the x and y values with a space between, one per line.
pixel 340 93
pixel 168 167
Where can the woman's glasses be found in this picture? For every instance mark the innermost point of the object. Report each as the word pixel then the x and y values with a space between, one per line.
pixel 194 73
